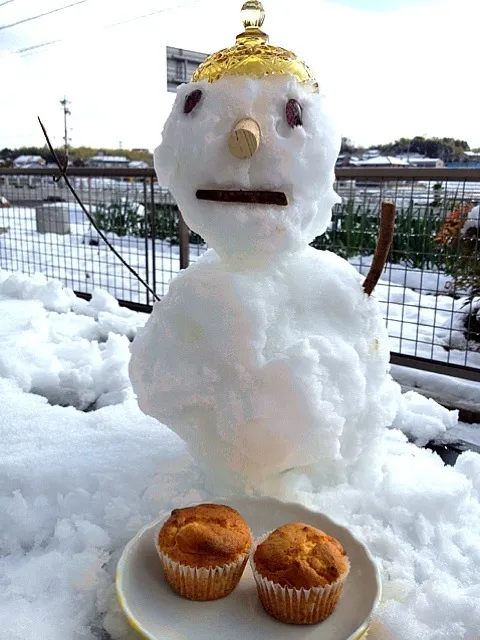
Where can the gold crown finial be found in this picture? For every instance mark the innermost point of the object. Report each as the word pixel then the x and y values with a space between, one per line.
pixel 252 14
pixel 252 56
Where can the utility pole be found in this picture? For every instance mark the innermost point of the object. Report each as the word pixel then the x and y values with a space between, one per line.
pixel 66 112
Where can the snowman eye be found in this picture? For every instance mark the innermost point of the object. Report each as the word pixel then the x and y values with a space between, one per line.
pixel 293 112
pixel 192 100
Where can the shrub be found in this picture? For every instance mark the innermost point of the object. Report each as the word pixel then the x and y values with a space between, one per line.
pixel 355 227
pixel 459 244
pixel 136 219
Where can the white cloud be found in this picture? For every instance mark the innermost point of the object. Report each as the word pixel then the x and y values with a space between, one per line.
pixel 406 72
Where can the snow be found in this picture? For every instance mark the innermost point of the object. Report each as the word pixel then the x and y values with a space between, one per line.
pixel 28 161
pixel 450 391
pixel 455 333
pixel 420 320
pixel 262 353
pixel 472 221
pixel 83 266
pixel 386 161
pixel 269 361
pixel 76 486
pixel 266 333
pixel 414 318
pixel 299 162
pixel 467 432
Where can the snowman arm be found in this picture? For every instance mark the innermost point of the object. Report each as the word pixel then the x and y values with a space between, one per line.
pixel 385 239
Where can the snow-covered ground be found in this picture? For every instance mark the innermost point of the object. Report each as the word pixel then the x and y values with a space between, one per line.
pixel 412 300
pixel 81 266
pixel 78 481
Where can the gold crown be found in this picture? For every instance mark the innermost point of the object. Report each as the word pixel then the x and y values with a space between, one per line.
pixel 251 54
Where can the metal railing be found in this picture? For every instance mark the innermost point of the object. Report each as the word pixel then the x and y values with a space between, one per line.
pixel 42 229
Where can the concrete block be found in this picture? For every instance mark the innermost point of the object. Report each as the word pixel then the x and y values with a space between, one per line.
pixel 53 218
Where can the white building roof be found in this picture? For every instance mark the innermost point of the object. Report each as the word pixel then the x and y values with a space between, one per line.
pixel 112 159
pixel 138 164
pixel 383 161
pixel 425 161
pixel 28 160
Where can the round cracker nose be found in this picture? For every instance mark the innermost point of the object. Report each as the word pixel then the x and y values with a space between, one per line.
pixel 244 139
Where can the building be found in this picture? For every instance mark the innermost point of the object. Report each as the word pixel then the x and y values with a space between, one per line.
pixel 104 161
pixel 138 164
pixel 346 160
pixel 382 161
pixel 418 160
pixel 470 160
pixel 435 163
pixel 24 162
pixel 371 153
pixel 181 65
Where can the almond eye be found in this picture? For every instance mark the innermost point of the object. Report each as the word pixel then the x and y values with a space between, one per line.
pixel 293 112
pixel 192 100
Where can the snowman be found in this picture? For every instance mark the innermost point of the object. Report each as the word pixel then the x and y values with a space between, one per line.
pixel 266 356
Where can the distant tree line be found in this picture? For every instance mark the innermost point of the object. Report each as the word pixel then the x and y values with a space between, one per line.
pixel 78 155
pixel 448 149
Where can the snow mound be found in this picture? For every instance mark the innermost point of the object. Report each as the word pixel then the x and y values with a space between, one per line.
pixel 75 487
pixel 70 351
pixel 472 221
pixel 422 419
pixel 462 329
pixel 297 161
pixel 262 371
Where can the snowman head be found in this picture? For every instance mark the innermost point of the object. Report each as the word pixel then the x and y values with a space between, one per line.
pixel 249 150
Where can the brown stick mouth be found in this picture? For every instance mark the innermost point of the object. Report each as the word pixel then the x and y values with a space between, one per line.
pixel 243 197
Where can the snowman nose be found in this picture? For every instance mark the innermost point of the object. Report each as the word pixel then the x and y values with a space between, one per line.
pixel 244 138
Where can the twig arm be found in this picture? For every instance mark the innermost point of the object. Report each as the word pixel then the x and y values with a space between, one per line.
pixel 385 239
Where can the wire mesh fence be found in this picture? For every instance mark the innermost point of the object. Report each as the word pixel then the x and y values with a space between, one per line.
pixel 429 292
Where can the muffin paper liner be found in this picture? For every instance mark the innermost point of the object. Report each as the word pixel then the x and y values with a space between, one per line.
pixel 200 583
pixel 296 606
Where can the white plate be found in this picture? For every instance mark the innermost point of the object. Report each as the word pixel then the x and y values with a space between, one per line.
pixel 157 613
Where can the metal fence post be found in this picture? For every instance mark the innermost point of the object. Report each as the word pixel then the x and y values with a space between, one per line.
pixel 184 238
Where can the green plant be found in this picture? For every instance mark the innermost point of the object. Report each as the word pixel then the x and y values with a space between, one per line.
pixel 123 218
pixel 159 220
pixel 355 227
pixel 459 246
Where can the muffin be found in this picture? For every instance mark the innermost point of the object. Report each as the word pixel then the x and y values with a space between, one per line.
pixel 204 550
pixel 299 572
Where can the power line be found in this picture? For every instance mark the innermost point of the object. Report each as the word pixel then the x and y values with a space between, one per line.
pixel 35 46
pixel 147 15
pixel 32 50
pixel 6 2
pixel 40 15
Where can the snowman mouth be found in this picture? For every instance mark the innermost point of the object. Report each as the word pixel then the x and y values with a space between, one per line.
pixel 244 197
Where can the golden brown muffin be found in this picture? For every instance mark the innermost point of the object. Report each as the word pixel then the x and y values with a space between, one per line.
pixel 300 556
pixel 207 535
pixel 204 550
pixel 300 572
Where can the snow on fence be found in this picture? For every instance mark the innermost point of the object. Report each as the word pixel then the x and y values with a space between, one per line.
pixel 433 266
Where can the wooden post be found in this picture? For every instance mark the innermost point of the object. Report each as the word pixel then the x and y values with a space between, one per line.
pixel 184 239
pixel 385 239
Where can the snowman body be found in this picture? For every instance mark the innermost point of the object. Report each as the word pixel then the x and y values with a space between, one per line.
pixel 265 355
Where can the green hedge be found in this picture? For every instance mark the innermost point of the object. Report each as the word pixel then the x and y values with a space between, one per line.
pixel 128 219
pixel 355 227
pixel 353 231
